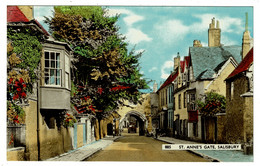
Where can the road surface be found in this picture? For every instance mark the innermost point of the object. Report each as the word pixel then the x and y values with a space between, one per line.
pixel 132 147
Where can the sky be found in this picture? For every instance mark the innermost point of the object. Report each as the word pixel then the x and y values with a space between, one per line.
pixel 161 32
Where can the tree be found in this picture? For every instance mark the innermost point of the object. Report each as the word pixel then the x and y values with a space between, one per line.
pixel 212 104
pixel 104 71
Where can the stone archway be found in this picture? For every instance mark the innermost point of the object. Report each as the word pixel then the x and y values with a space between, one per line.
pixel 140 118
pixel 141 111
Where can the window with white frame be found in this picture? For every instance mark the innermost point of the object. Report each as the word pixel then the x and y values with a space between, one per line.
pixel 52 68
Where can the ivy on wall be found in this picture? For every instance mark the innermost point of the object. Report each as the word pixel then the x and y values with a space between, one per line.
pixel 23 56
pixel 26 44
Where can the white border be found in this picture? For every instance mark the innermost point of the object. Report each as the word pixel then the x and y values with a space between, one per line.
pixel 4 3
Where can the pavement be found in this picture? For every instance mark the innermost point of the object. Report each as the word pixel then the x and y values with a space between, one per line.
pixel 212 155
pixel 86 151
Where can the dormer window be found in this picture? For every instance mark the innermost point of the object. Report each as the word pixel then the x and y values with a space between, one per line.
pixel 52 68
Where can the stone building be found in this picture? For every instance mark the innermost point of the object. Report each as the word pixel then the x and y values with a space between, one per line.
pixel 239 92
pixel 140 114
pixel 239 109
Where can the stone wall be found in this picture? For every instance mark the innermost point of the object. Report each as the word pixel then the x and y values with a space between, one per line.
pixel 55 141
pixel 15 154
pixel 221 122
pixel 248 120
pixel 31 152
pixel 235 110
pixel 80 133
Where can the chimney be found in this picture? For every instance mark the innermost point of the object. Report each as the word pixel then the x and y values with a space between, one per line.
pixel 27 11
pixel 196 43
pixel 176 61
pixel 214 34
pixel 246 41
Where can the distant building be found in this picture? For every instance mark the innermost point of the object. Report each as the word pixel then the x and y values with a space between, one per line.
pixel 166 104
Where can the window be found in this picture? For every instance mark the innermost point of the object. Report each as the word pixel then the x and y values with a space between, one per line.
pixel 188 76
pixel 161 97
pixel 193 106
pixel 179 101
pixel 67 80
pixel 166 96
pixel 232 90
pixel 173 103
pixel 192 97
pixel 192 101
pixel 169 120
pixel 184 99
pixel 169 95
pixel 67 71
pixel 52 71
pixel 172 94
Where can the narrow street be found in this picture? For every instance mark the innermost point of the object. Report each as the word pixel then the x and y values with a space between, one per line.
pixel 132 147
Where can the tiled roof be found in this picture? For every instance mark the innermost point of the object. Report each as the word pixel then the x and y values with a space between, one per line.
pixel 244 65
pixel 169 80
pixel 14 14
pixel 205 60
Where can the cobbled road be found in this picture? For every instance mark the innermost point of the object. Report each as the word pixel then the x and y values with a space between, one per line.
pixel 132 147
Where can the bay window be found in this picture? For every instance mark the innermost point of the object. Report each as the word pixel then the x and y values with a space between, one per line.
pixel 52 68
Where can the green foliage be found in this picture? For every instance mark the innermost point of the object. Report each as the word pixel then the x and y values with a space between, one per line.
pixel 94 13
pixel 102 59
pixel 26 44
pixel 214 103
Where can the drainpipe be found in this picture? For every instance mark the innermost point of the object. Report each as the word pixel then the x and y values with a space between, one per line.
pixel 38 123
